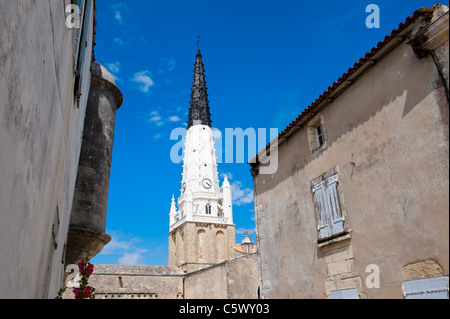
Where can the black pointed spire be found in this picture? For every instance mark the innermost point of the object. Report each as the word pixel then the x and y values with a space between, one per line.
pixel 199 106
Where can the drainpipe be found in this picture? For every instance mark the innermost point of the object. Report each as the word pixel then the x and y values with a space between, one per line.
pixel 254 171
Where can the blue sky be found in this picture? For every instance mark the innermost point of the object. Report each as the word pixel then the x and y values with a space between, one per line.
pixel 265 62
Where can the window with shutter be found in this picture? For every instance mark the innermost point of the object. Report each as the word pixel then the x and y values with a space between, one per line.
pixel 317 137
pixel 82 37
pixel 328 208
pixel 427 288
pixel 345 294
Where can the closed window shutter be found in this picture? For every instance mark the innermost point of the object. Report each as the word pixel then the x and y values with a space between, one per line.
pixel 328 208
pixel 345 294
pixel 427 288
pixel 337 219
pixel 324 224
pixel 79 74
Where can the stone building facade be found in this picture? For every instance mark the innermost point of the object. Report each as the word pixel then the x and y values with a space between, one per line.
pixel 358 207
pixel 51 91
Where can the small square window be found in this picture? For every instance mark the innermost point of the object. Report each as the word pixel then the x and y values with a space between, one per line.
pixel 320 135
pixel 317 137
pixel 208 209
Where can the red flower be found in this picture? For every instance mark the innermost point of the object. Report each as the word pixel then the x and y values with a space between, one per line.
pixel 81 266
pixel 77 291
pixel 87 292
pixel 89 269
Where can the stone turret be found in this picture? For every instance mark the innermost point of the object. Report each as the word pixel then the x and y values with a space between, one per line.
pixel 88 219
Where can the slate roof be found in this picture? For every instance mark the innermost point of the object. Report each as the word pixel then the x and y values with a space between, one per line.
pixel 199 112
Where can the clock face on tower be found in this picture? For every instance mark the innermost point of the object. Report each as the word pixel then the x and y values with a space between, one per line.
pixel 207 183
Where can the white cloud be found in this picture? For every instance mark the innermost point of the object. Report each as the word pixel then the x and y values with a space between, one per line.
pixel 118 16
pixel 156 118
pixel 228 175
pixel 118 41
pixel 131 259
pixel 171 64
pixel 125 246
pixel 174 119
pixel 118 8
pixel 144 80
pixel 241 196
pixel 113 67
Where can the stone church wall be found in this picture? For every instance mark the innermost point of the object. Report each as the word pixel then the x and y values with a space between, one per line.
pixel 137 282
pixel 237 278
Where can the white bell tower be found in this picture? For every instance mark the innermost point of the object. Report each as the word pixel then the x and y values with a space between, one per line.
pixel 201 229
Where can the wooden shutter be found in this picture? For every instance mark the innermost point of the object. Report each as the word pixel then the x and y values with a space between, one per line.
pixel 345 294
pixel 427 288
pixel 82 47
pixel 328 208
pixel 323 217
pixel 337 219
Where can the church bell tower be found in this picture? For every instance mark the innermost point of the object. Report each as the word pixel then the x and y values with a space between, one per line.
pixel 202 232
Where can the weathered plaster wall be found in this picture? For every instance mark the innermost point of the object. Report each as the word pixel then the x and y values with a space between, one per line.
pixel 387 136
pixel 40 140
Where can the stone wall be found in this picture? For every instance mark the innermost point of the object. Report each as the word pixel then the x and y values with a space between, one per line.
pixel 190 252
pixel 237 278
pixel 137 282
pixel 387 140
